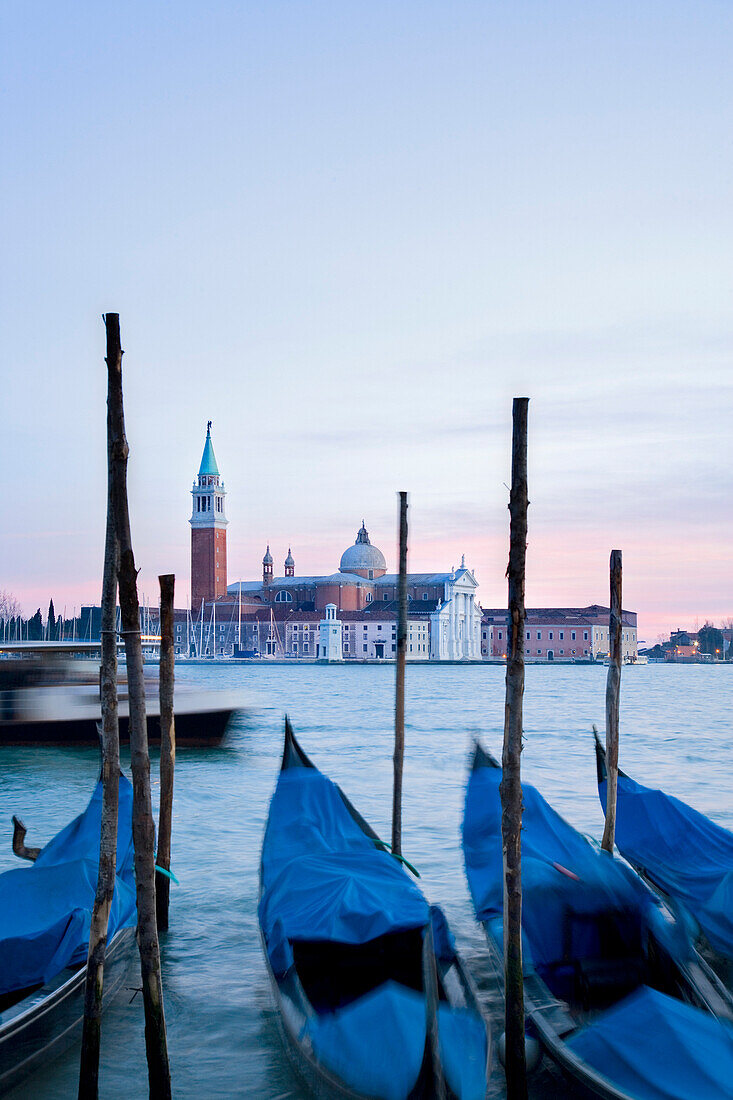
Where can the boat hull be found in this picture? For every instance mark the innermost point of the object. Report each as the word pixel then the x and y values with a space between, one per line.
pixel 193 728
pixel 290 1019
pixel 52 1021
pixel 548 1020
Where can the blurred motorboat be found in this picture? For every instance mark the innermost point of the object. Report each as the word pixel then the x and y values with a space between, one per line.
pixel 48 698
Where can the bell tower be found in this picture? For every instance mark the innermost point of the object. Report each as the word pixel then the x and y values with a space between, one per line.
pixel 208 531
pixel 267 568
pixel 290 564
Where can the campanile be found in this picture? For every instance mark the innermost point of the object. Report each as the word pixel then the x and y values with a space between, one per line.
pixel 208 531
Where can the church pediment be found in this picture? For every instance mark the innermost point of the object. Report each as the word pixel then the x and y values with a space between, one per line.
pixel 465 580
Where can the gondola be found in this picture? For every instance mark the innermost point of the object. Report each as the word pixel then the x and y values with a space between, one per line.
pixel 614 989
pixel 45 913
pixel 373 1000
pixel 681 853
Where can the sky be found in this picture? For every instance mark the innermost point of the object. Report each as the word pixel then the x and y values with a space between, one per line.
pixel 349 234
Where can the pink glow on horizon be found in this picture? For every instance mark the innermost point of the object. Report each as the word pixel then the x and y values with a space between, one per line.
pixel 664 582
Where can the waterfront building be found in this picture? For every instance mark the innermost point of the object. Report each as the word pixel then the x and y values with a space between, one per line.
pixel 281 614
pixel 287 633
pixel 444 603
pixel 560 634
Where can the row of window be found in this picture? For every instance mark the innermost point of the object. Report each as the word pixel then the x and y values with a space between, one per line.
pixel 560 651
pixel 417 649
pixel 561 635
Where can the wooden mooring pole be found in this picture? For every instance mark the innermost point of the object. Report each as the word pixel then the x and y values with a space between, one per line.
pixel 613 694
pixel 399 716
pixel 511 782
pixel 110 738
pixel 167 747
pixel 143 828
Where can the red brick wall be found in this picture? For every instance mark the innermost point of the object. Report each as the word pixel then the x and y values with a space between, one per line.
pixel 220 562
pixel 346 597
pixel 208 564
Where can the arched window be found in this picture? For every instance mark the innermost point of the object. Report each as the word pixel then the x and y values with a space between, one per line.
pixel 283 597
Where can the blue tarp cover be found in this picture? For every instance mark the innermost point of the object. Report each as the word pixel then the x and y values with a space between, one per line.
pixel 322 878
pixel 393 1017
pixel 561 870
pixel 657 1048
pixel 687 855
pixel 45 907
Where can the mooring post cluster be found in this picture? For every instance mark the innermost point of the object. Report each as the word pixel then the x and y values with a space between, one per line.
pixel 110 744
pixel 120 575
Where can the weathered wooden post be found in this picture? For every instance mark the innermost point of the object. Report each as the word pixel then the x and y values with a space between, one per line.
pixel 430 985
pixel 511 781
pixel 143 828
pixel 399 714
pixel 613 693
pixel 110 738
pixel 167 747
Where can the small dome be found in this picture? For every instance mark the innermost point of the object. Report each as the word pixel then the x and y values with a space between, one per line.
pixel 267 560
pixel 290 560
pixel 362 558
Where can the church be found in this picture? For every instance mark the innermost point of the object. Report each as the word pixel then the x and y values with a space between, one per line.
pixel 444 614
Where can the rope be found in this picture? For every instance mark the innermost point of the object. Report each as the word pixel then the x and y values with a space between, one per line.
pixel 388 848
pixel 168 875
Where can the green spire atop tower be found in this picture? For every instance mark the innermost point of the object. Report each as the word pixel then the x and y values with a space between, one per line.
pixel 208 465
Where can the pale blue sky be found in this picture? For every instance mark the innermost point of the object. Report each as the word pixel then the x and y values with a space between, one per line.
pixel 349 233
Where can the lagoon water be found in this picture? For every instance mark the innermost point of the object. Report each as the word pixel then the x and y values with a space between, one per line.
pixel 223 1040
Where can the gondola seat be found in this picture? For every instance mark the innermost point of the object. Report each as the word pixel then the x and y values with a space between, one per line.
pixel 632 1043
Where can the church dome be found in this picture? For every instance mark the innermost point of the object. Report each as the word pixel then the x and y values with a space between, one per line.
pixel 290 559
pixel 362 558
pixel 267 560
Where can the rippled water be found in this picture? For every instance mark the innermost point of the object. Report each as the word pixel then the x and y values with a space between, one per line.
pixel 222 1036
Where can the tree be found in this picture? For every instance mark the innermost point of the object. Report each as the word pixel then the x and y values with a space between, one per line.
pixel 51 632
pixel 9 606
pixel 710 640
pixel 35 627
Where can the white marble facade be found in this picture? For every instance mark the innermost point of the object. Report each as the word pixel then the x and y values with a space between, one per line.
pixel 455 626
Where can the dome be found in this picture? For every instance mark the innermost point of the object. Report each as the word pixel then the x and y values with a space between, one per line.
pixel 362 558
pixel 267 560
pixel 289 560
